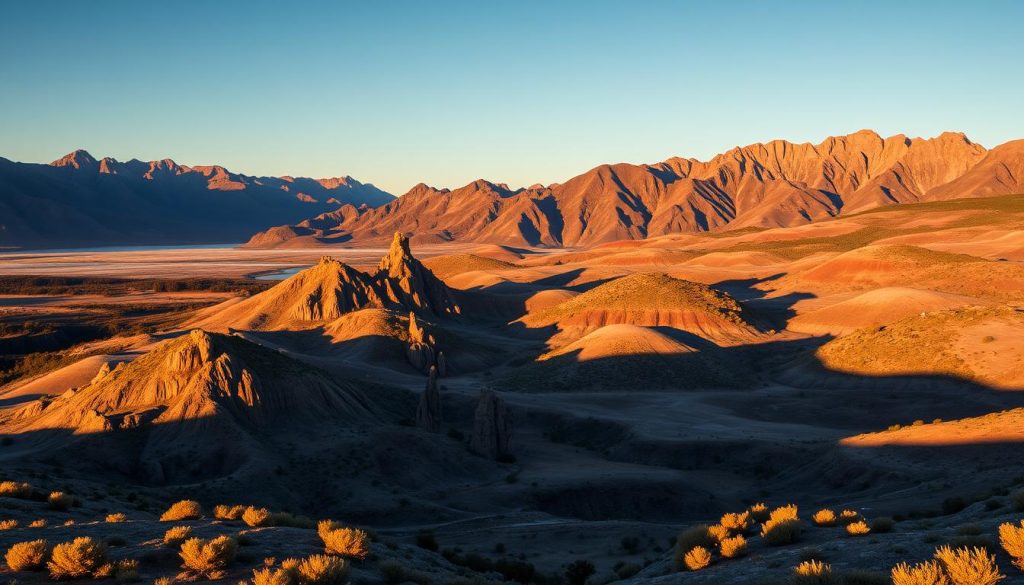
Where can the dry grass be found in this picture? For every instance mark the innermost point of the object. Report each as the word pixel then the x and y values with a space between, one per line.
pixel 225 512
pixel 718 532
pixel 59 501
pixel 82 557
pixel 812 572
pixel 848 516
pixel 15 489
pixel 177 535
pixel 27 556
pixel 736 522
pixel 40 523
pixel 323 570
pixel 256 516
pixel 1011 536
pixel 782 526
pixel 183 510
pixel 116 517
pixel 340 540
pixel 927 573
pixel 966 566
pixel 697 558
pixel 824 517
pixel 208 558
pixel 733 547
pixel 858 528
pixel 759 512
pixel 8 524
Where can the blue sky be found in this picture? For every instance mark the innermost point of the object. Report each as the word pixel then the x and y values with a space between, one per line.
pixel 396 93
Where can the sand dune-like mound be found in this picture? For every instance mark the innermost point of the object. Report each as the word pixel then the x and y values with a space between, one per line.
pixel 997 427
pixel 647 299
pixel 883 264
pixel 874 308
pixel 735 259
pixel 202 394
pixel 625 357
pixel 981 344
pixel 450 265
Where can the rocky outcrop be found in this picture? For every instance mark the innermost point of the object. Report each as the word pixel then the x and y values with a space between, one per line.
pixel 407 282
pixel 428 413
pixel 775 184
pixel 492 427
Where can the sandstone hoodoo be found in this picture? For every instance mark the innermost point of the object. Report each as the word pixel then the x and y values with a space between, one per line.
pixel 408 283
pixel 492 427
pixel 428 413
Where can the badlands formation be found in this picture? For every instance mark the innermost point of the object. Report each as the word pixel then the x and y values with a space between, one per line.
pixel 503 412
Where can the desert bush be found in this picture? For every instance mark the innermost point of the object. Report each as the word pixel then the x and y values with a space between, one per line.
pixel 15 489
pixel 116 517
pixel 125 570
pixel 27 556
pixel 733 547
pixel 1011 537
pixel 256 516
pixel 8 524
pixel 782 526
pixel 627 570
pixel 883 524
pixel 693 537
pixel 980 541
pixel 163 581
pixel 82 557
pixel 759 512
pixel 858 528
pixel 926 573
pixel 183 510
pixel 824 517
pixel 224 512
pixel 281 576
pixel 697 558
pixel 736 522
pixel 848 516
pixel 208 558
pixel 813 572
pixel 425 539
pixel 579 571
pixel 395 572
pixel 323 570
pixel 40 523
pixel 59 501
pixel 177 535
pixel 290 520
pixel 718 533
pixel 966 566
pixel 349 542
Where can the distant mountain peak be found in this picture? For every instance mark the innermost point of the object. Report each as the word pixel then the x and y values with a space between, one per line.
pixel 77 159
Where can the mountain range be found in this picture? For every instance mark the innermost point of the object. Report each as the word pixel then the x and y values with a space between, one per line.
pixel 78 200
pixel 775 184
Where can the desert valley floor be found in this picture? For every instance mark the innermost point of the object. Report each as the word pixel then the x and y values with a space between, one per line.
pixel 579 403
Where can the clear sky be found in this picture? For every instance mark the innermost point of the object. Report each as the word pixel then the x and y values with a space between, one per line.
pixel 521 92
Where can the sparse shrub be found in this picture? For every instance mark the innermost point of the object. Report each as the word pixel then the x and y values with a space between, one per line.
pixel 883 524
pixel 82 557
pixel 256 516
pixel 736 522
pixel 812 572
pixel 733 547
pixel 8 524
pixel 425 540
pixel 718 533
pixel 163 581
pixel 349 542
pixel 858 528
pixel 693 537
pixel 848 516
pixel 323 570
pixel 290 520
pixel 183 510
pixel 926 573
pixel 223 512
pixel 811 554
pixel 824 517
pixel 59 501
pixel 978 541
pixel 966 566
pixel 126 570
pixel 27 556
pixel 208 558
pixel 759 512
pixel 697 558
pixel 177 535
pixel 40 523
pixel 1011 536
pixel 579 571
pixel 15 489
pixel 395 572
pixel 271 576
pixel 627 570
pixel 116 517
pixel 782 526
